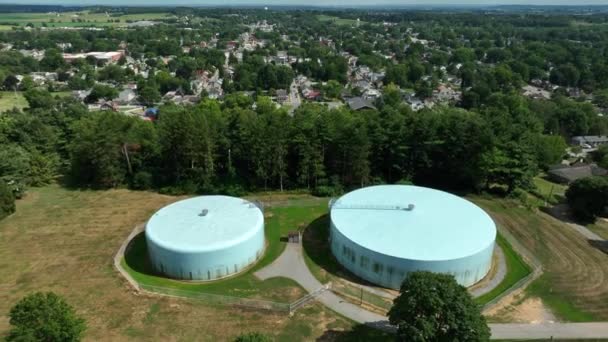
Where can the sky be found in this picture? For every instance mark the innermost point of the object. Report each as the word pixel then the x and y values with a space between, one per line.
pixel 343 3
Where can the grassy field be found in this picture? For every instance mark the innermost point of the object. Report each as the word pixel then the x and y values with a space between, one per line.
pixel 10 100
pixel 549 191
pixel 573 285
pixel 337 20
pixel 84 18
pixel 64 240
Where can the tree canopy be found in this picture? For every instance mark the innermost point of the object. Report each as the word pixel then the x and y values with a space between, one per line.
pixel 44 317
pixel 588 197
pixel 434 307
pixel 7 200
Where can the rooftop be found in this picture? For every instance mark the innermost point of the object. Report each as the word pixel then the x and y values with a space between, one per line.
pixel 572 173
pixel 358 103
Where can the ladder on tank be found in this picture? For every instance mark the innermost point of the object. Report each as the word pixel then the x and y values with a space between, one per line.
pixel 335 204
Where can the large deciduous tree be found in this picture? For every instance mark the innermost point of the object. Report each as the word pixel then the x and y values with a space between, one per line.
pixel 434 307
pixel 588 197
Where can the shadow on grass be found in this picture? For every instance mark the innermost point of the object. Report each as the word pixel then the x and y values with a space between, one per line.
pixel 601 245
pixel 315 242
pixel 136 256
pixel 563 213
pixel 361 332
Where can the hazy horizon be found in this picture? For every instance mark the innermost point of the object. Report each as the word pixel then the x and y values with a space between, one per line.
pixel 308 3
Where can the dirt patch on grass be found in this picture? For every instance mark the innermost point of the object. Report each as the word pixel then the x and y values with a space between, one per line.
pixel 522 309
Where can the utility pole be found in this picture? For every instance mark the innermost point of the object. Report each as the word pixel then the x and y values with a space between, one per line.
pixel 126 152
pixel 361 298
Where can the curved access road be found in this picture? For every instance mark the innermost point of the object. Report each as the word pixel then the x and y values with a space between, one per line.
pixel 291 265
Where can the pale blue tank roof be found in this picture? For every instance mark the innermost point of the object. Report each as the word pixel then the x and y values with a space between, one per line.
pixel 181 226
pixel 441 226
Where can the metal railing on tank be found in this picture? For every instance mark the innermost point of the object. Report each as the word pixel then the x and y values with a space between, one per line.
pixel 256 203
pixel 336 204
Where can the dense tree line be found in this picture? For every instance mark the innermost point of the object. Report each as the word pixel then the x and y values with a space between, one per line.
pixel 496 139
pixel 245 143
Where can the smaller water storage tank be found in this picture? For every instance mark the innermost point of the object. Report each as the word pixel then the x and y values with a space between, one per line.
pixel 206 237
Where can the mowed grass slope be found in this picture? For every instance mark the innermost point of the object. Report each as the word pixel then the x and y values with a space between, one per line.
pixel 64 241
pixel 574 282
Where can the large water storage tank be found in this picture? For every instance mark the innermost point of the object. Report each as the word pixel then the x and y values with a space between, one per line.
pixel 381 233
pixel 205 238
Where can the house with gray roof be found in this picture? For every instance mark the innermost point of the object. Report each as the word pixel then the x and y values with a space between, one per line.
pixel 591 140
pixel 359 103
pixel 567 174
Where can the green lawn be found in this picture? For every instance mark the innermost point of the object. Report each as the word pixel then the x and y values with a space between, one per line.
pixel 83 18
pixel 280 220
pixel 337 20
pixel 10 100
pixel 63 240
pixel 517 269
pixel 549 191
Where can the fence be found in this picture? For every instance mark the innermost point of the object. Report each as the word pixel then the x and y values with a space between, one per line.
pixel 218 299
pixel 210 298
pixel 358 295
pixel 307 298
pixel 529 258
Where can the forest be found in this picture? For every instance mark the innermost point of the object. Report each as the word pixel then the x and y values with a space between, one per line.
pixel 231 147
pixel 493 138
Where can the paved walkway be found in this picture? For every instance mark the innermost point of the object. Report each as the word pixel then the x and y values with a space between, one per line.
pixel 291 265
pixel 498 277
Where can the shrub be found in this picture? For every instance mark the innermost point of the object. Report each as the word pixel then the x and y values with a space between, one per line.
pixel 588 197
pixel 7 200
pixel 44 317
pixel 142 180
pixel 327 191
pixel 253 337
